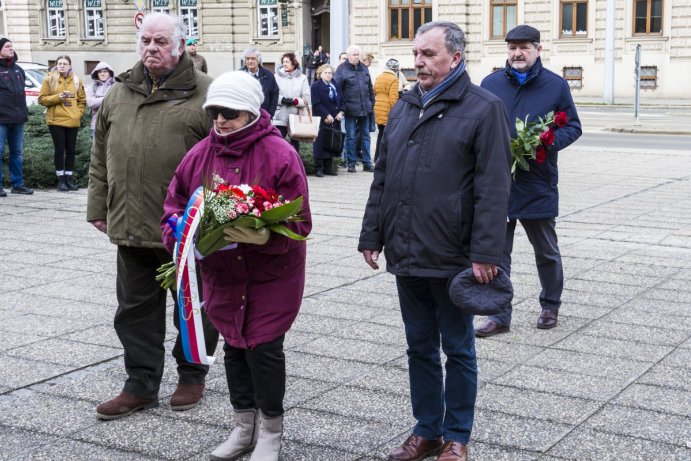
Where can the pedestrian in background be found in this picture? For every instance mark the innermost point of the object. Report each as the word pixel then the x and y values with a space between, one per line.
pixel 314 61
pixel 437 205
pixel 530 90
pixel 103 78
pixel 253 66
pixel 198 59
pixel 368 59
pixel 327 103
pixel 293 94
pixel 63 95
pixel 358 96
pixel 385 96
pixel 251 303
pixel 13 115
pixel 145 127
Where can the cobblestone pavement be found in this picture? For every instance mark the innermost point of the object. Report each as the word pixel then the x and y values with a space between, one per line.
pixel 611 382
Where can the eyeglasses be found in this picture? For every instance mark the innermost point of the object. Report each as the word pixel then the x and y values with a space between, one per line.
pixel 228 114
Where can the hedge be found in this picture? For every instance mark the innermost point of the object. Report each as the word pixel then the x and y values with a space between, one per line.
pixel 39 168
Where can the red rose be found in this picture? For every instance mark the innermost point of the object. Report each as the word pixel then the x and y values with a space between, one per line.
pixel 560 119
pixel 547 137
pixel 540 154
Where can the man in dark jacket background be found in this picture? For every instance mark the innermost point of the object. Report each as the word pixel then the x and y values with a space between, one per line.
pixel 529 90
pixel 13 115
pixel 358 95
pixel 438 205
pixel 253 66
pixel 148 121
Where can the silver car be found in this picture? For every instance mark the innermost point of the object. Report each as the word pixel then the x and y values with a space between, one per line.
pixel 35 73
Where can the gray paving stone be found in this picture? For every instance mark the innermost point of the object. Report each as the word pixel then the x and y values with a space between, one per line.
pixel 13 340
pixel 665 376
pixel 597 445
pixel 320 325
pixel 102 335
pixel 71 449
pixel 310 366
pixel 26 372
pixel 496 349
pixel 374 332
pixel 524 331
pixel 643 424
pixel 632 350
pixel 680 357
pixel 634 315
pixel 361 351
pixel 517 432
pixel 316 306
pixel 45 413
pixel 295 338
pixel 18 443
pixel 146 433
pixel 662 399
pixel 95 385
pixel 31 324
pixel 589 364
pixel 572 296
pixel 388 379
pixel 562 383
pixel 538 405
pixel 479 451
pixel 62 352
pixel 641 333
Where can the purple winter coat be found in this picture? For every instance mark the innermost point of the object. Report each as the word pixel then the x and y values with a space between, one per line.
pixel 251 293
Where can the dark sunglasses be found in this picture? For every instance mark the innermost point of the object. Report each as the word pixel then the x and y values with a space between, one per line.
pixel 228 114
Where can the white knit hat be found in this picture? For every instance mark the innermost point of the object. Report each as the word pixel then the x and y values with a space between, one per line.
pixel 235 90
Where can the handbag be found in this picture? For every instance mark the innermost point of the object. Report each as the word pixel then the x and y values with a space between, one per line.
pixel 301 128
pixel 333 140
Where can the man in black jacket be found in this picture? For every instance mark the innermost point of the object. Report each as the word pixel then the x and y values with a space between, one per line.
pixel 438 205
pixel 253 66
pixel 13 115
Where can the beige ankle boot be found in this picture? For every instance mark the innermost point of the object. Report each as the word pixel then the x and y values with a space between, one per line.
pixel 269 442
pixel 242 438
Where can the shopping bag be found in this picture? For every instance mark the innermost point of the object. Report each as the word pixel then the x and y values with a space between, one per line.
pixel 304 128
pixel 333 140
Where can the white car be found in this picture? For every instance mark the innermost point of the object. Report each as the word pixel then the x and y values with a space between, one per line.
pixel 35 73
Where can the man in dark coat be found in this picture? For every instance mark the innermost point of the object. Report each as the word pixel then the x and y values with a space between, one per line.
pixel 438 205
pixel 13 115
pixel 529 90
pixel 253 66
pixel 358 95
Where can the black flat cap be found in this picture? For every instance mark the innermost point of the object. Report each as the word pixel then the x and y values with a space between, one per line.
pixel 523 33
pixel 475 298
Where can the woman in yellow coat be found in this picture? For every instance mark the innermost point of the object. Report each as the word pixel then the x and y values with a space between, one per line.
pixel 385 96
pixel 63 95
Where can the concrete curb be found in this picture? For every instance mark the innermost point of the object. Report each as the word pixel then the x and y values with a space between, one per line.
pixel 647 130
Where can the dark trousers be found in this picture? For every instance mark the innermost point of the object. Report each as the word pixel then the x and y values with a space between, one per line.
pixel 284 133
pixel 65 145
pixel 257 377
pixel 542 235
pixel 380 135
pixel 440 407
pixel 140 323
pixel 324 164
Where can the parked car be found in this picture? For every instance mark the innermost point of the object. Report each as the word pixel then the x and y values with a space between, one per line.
pixel 35 73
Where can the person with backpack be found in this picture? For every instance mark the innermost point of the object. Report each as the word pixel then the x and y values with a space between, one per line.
pixel 63 95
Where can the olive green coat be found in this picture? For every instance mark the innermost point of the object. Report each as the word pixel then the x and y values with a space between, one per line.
pixel 140 140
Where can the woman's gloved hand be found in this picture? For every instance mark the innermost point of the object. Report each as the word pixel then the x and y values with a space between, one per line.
pixel 247 235
pixel 289 101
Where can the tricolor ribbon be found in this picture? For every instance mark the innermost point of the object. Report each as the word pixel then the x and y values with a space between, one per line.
pixel 189 307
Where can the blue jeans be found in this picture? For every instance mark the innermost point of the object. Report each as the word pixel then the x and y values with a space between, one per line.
pixel 354 125
pixel 542 235
pixel 441 409
pixel 13 134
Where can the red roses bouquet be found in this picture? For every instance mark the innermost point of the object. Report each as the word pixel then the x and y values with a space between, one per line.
pixel 534 139
pixel 224 206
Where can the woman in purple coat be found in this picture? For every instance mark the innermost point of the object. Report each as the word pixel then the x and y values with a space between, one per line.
pixel 327 104
pixel 252 291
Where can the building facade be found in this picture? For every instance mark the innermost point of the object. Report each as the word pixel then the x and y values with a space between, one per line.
pixel 592 43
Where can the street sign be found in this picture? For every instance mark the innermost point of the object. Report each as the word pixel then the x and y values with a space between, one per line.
pixel 138 18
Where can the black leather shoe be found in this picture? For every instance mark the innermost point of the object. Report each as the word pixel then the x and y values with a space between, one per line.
pixel 548 319
pixel 368 168
pixel 22 190
pixel 491 328
pixel 319 174
pixel 416 448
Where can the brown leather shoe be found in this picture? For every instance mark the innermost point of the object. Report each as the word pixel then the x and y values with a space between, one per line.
pixel 123 405
pixel 547 319
pixel 491 328
pixel 453 451
pixel 416 448
pixel 186 396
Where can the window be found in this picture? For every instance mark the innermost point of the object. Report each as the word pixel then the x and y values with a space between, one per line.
pixel 56 19
pixel 267 18
pixel 648 77
pixel 573 76
pixel 406 17
pixel 161 6
pixel 188 13
pixel 93 19
pixel 2 19
pixel 503 14
pixel 647 16
pixel 574 18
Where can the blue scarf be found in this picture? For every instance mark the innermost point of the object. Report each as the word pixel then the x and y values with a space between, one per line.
pixel 428 96
pixel 520 76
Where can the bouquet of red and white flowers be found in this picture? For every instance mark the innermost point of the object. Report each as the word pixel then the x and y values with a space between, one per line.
pixel 534 139
pixel 243 205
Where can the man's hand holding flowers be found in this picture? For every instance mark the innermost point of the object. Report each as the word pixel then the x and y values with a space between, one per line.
pixel 246 235
pixel 533 140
